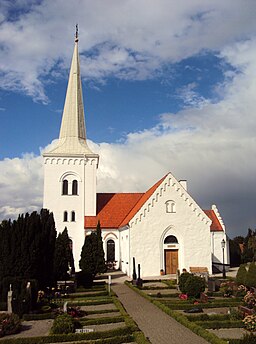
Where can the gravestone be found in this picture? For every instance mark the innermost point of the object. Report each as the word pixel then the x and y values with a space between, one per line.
pixel 203 298
pixel 65 307
pixel 211 285
pixel 9 300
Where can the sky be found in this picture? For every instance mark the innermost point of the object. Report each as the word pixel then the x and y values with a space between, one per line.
pixel 168 86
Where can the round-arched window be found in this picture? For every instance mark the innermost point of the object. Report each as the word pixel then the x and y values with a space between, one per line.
pixel 171 239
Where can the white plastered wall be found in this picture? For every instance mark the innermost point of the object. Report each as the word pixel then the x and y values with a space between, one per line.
pixel 84 171
pixel 152 224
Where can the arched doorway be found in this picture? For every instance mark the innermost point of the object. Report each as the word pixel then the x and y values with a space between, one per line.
pixel 171 258
pixel 110 250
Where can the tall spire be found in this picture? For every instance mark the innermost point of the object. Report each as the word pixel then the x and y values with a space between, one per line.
pixel 72 138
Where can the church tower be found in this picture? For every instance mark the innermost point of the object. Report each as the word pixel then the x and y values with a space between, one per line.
pixel 70 167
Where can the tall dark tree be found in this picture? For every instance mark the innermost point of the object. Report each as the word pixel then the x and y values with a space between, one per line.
pixel 63 257
pixel 27 247
pixel 101 264
pixel 92 256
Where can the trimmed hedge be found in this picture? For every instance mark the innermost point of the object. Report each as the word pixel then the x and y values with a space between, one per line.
pixel 184 306
pixel 206 317
pixel 71 337
pixel 99 321
pixel 42 316
pixel 215 324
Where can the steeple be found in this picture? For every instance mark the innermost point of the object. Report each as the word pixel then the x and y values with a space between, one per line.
pixel 72 138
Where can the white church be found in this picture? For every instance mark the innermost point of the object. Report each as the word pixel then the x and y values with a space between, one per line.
pixel 164 229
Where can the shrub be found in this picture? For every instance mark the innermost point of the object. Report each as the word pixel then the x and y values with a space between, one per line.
pixel 250 279
pixel 241 275
pixel 84 279
pixel 248 339
pixel 63 324
pixel 182 281
pixel 194 286
pixel 9 324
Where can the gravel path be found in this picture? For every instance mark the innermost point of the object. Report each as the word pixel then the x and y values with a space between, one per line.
pixel 156 325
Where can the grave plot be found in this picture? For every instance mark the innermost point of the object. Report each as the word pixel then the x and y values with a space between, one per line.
pixel 216 313
pixel 87 315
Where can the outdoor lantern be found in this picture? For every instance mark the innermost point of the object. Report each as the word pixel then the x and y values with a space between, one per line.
pixel 223 243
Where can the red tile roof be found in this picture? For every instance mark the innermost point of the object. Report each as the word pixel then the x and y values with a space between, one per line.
pixel 115 210
pixel 216 225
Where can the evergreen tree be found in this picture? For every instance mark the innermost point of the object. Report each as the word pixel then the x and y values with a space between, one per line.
pixel 92 256
pixel 241 275
pixel 63 256
pixel 101 264
pixel 87 261
pixel 27 247
pixel 250 280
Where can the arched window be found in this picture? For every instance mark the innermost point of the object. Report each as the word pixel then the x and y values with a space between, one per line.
pixel 110 250
pixel 73 216
pixel 74 187
pixel 65 216
pixel 64 187
pixel 171 239
pixel 170 207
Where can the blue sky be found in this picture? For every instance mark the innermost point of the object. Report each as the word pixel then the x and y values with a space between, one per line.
pixel 167 87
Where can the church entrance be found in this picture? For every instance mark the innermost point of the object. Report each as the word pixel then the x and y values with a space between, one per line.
pixel 171 261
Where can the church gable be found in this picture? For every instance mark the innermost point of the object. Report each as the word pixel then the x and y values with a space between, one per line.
pixel 170 192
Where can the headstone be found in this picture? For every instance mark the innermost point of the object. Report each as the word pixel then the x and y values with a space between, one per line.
pixel 9 300
pixel 65 307
pixel 139 281
pixel 178 276
pixel 203 298
pixel 134 275
pixel 109 283
pixel 211 285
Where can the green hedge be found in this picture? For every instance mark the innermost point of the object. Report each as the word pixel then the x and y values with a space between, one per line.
pixel 184 306
pixel 102 311
pixel 71 337
pixel 43 316
pixel 88 295
pixel 157 296
pixel 99 321
pixel 87 303
pixel 215 324
pixel 206 317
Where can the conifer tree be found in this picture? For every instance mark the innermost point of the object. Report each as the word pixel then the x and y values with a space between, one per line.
pixel 250 280
pixel 101 264
pixel 63 257
pixel 241 275
pixel 92 256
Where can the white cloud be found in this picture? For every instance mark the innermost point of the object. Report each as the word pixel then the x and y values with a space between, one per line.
pixel 211 145
pixel 130 40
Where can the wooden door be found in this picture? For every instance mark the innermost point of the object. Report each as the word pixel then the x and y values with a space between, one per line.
pixel 171 261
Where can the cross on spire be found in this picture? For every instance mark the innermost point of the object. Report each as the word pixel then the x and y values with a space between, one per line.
pixel 76 39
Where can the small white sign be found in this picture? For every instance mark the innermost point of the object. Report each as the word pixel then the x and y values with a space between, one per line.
pixel 84 330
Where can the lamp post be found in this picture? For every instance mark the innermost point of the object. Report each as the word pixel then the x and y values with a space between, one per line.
pixel 223 244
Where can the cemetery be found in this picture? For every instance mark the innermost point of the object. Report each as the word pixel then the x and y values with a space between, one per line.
pixel 220 310
pixel 92 315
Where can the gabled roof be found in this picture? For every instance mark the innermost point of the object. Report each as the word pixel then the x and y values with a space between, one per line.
pixel 115 210
pixel 216 225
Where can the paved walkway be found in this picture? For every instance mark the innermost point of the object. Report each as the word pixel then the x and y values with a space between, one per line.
pixel 159 327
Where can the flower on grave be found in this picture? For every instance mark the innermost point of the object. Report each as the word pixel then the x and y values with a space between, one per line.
pixel 250 299
pixel 241 287
pixel 183 296
pixel 250 322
